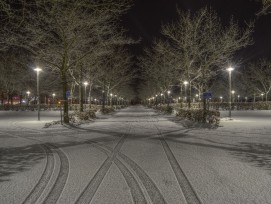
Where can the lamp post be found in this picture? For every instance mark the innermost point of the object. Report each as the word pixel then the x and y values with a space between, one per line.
pixel 262 96
pixel 38 70
pixel 53 97
pixel 230 69
pixel 111 99
pixel 221 99
pixel 28 93
pixel 197 97
pixel 185 85
pixel 161 97
pixel 85 83
pixel 168 93
pixel 233 98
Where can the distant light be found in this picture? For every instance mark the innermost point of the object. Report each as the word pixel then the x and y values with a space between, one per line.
pixel 85 83
pixel 168 92
pixel 230 69
pixel 38 69
pixel 185 82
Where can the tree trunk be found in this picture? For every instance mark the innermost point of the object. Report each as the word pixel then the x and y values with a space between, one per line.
pixel 189 97
pixel 103 96
pixel 81 101
pixel 89 93
pixel 64 91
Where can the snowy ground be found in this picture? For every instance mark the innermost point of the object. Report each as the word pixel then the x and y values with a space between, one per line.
pixel 135 156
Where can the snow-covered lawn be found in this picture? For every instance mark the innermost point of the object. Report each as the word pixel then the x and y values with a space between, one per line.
pixel 135 156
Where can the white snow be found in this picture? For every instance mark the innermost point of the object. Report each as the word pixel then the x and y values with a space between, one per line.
pixel 227 164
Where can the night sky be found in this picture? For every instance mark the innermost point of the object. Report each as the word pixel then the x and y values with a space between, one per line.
pixel 146 16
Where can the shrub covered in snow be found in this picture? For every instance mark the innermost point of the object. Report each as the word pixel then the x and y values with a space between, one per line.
pixel 107 109
pixel 77 117
pixel 163 108
pixel 213 116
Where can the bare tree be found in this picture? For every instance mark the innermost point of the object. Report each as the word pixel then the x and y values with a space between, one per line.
pixel 116 71
pixel 266 9
pixel 159 65
pixel 201 39
pixel 259 75
pixel 60 34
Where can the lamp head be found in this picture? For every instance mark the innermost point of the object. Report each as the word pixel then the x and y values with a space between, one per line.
pixel 38 69
pixel 230 69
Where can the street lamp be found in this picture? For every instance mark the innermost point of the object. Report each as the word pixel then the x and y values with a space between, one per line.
pixel 53 97
pixel 168 93
pixel 238 98
pixel 85 83
pixel 38 70
pixel 161 97
pixel 185 85
pixel 111 99
pixel 28 93
pixel 233 99
pixel 262 96
pixel 230 69
pixel 221 99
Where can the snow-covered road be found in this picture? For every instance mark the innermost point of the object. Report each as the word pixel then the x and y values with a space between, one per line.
pixel 135 156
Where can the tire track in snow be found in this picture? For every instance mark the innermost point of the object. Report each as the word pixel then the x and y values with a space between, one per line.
pixel 136 191
pixel 58 186
pixel 37 191
pixel 88 193
pixel 187 189
pixel 61 179
pixel 149 185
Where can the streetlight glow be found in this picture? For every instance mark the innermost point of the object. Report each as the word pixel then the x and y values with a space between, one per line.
pixel 230 69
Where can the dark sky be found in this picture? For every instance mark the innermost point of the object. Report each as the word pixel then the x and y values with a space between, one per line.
pixel 146 16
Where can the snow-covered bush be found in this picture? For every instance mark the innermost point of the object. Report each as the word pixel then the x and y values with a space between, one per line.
pixel 213 116
pixel 164 108
pixel 107 109
pixel 47 125
pixel 76 116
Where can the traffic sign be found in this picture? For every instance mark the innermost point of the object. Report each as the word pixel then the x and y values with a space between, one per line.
pixel 68 94
pixel 207 95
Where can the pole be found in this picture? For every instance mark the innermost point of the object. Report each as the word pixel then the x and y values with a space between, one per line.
pixel 85 96
pixel 38 93
pixel 230 94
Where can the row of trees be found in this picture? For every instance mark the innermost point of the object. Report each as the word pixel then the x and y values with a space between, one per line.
pixel 197 48
pixel 72 41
